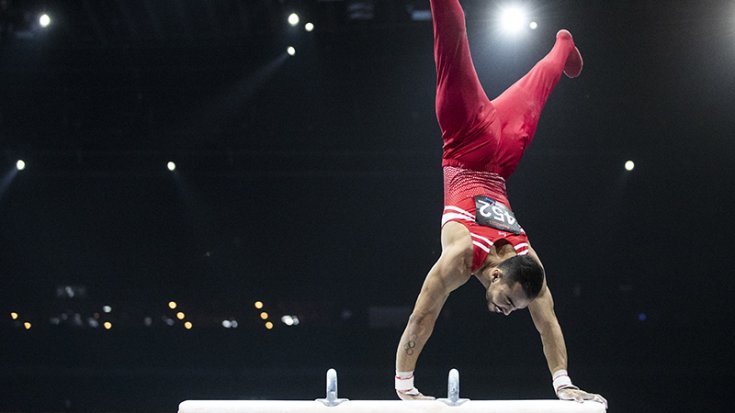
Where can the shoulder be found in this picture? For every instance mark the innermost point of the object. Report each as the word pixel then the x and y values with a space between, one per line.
pixel 456 236
pixel 457 246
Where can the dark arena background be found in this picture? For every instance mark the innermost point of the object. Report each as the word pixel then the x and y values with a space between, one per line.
pixel 189 211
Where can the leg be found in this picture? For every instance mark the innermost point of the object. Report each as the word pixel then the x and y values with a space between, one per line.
pixel 520 106
pixel 461 103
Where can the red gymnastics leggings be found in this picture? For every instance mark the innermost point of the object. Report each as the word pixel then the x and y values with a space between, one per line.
pixel 480 134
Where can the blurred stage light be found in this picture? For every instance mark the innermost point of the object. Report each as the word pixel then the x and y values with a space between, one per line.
pixel 233 323
pixel 187 325
pixel 309 27
pixel 629 166
pixel 20 165
pixel 512 19
pixel 264 315
pixel 107 309
pixel 172 305
pixel 44 20
pixel 291 51
pixel 147 321
pixel 293 19
pixel 226 323
pixel 362 10
pixel 180 315
pixel 14 315
pixel 93 322
pixel 258 305
pixel 171 166
pixel 419 13
pixel 108 325
pixel 269 325
pixel 533 25
pixel 290 320
pixel 27 325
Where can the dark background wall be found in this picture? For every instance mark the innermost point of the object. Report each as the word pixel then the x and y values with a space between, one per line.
pixel 313 183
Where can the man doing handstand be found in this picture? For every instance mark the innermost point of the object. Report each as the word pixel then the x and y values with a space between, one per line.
pixel 483 143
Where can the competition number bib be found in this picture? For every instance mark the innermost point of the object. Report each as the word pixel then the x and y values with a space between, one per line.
pixel 491 213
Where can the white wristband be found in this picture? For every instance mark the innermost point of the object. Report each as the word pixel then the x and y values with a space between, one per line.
pixel 404 380
pixel 561 380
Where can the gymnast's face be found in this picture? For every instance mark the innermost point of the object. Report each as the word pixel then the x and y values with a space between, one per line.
pixel 503 298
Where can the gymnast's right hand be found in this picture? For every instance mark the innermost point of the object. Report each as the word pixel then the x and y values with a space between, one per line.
pixel 413 394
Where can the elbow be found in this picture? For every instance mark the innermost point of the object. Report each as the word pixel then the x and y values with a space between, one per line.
pixel 548 328
pixel 421 322
pixel 418 318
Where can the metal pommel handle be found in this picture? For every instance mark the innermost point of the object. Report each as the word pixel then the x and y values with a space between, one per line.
pixel 332 399
pixel 453 389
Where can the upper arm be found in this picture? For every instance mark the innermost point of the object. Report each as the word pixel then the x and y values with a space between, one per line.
pixel 542 310
pixel 452 270
pixel 542 307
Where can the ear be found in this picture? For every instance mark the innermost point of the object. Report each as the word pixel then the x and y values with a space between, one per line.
pixel 496 275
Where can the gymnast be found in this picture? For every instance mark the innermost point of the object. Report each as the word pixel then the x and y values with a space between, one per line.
pixel 483 142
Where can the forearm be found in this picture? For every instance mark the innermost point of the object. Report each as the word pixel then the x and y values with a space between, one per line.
pixel 555 350
pixel 417 333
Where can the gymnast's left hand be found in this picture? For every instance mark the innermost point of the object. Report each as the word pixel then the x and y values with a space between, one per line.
pixel 579 396
pixel 413 394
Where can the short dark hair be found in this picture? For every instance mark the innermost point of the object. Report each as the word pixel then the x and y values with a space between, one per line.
pixel 525 270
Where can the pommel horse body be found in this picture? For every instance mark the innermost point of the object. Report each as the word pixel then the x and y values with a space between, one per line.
pixel 332 404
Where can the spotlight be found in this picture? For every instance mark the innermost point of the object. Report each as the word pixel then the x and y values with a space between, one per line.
pixel 108 325
pixel 258 305
pixel 20 165
pixel 309 27
pixel 512 19
pixel 27 325
pixel 188 325
pixel 533 25
pixel 180 315
pixel 264 315
pixel 291 51
pixel 107 309
pixel 44 20
pixel 172 305
pixel 171 166
pixel 14 315
pixel 269 325
pixel 293 19
pixel 226 323
pixel 290 320
pixel 629 166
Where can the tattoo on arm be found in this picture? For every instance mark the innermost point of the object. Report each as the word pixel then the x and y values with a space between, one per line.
pixel 410 345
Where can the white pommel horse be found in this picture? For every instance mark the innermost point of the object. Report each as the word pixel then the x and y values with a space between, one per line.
pixel 332 404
